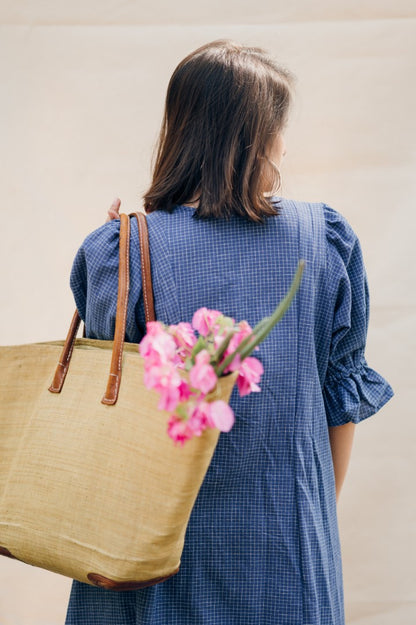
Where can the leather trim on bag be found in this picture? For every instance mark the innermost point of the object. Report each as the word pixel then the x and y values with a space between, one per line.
pixel 6 552
pixel 110 584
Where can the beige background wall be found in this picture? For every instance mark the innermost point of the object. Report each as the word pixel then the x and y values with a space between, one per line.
pixel 82 88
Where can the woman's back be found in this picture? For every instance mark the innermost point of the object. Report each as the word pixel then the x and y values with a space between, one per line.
pixel 262 544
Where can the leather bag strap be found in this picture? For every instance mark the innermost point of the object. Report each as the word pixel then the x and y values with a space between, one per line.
pixel 113 385
pixel 65 359
pixel 147 288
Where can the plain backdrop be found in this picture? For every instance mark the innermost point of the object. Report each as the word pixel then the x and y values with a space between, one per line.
pixel 82 90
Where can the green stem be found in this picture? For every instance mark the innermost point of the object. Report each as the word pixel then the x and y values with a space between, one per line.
pixel 221 349
pixel 260 324
pixel 199 346
pixel 219 370
pixel 278 313
pixel 265 326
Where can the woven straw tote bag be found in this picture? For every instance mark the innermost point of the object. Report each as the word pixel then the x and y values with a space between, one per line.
pixel 92 487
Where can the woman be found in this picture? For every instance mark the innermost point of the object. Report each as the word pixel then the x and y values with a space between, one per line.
pixel 262 545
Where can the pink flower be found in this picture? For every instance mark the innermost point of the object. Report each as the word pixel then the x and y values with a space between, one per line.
pixel 249 374
pixel 204 320
pixel 244 331
pixel 234 365
pixel 154 327
pixel 219 339
pixel 179 431
pixel 166 380
pixel 159 376
pixel 184 391
pixel 202 375
pixel 221 416
pixel 169 398
pixel 184 337
pixel 157 346
pixel 167 350
pixel 200 418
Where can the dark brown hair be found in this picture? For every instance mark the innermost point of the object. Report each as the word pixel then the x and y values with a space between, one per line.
pixel 225 105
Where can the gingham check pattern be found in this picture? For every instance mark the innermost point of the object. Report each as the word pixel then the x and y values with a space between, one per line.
pixel 262 546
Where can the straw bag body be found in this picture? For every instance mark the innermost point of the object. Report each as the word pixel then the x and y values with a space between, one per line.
pixel 92 487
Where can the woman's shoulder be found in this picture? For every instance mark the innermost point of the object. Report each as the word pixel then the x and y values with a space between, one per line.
pixel 102 238
pixel 308 216
pixel 101 246
pixel 303 208
pixel 338 231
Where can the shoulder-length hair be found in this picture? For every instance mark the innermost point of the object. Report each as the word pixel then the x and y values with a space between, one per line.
pixel 225 105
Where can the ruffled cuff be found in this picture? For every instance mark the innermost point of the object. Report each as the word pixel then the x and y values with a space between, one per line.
pixel 354 393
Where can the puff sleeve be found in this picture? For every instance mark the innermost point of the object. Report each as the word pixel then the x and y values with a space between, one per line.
pixel 352 390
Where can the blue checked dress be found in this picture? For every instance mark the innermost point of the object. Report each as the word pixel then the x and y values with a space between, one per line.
pixel 262 546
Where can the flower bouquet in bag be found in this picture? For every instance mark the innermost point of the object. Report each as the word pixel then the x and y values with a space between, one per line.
pixel 184 362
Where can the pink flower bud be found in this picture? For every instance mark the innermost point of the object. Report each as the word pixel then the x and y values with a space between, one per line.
pixel 204 320
pixel 178 430
pixel 202 375
pixel 200 418
pixel 221 416
pixel 184 337
pixel 249 374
